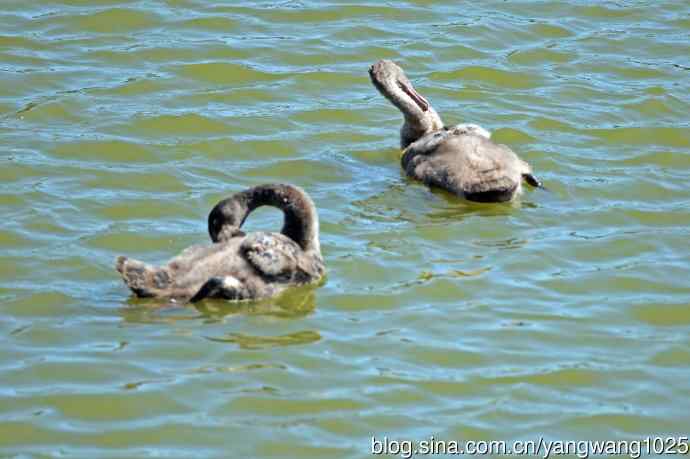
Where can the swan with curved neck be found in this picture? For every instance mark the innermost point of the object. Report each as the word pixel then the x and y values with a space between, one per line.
pixel 461 159
pixel 239 266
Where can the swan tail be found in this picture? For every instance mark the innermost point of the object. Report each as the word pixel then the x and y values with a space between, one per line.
pixel 532 180
pixel 144 280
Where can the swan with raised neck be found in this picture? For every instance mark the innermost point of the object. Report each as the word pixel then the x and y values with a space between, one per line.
pixel 461 159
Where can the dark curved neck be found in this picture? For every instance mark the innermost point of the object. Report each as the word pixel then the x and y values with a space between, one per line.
pixel 300 223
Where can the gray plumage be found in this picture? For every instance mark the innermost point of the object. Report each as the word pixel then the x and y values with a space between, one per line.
pixel 461 159
pixel 237 266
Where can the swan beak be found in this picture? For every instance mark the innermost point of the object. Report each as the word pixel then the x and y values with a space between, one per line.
pixel 418 99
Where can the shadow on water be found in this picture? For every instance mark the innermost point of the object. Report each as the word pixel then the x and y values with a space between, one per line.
pixel 453 208
pixel 250 342
pixel 294 303
pixel 412 201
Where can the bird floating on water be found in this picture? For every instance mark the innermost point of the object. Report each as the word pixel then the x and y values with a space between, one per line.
pixel 461 159
pixel 239 266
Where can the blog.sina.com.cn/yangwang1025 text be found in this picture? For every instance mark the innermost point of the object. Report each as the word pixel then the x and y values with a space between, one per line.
pixel 545 449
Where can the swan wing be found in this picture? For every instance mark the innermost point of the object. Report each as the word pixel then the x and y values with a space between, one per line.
pixel 274 255
pixel 479 165
pixel 464 164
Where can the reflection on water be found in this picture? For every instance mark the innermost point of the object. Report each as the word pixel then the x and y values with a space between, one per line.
pixel 412 201
pixel 260 342
pixel 294 303
pixel 156 312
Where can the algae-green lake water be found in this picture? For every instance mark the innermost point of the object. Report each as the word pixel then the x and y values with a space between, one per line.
pixel 565 315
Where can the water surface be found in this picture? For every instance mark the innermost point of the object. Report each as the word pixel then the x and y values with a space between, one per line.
pixel 565 315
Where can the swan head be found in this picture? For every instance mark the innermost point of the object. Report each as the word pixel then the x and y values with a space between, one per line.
pixel 420 117
pixel 392 82
pixel 226 218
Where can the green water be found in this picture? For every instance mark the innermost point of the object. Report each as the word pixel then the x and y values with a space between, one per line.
pixel 565 315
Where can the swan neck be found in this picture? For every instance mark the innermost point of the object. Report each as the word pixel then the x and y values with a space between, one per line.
pixel 300 222
pixel 419 116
